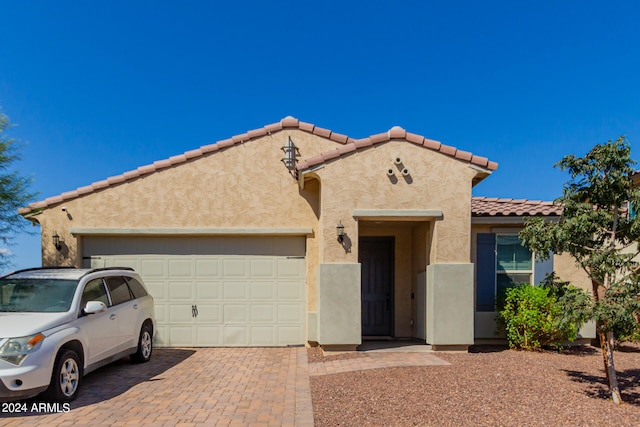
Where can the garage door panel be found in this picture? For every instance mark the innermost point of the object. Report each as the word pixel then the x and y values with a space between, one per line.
pixel 130 262
pixel 208 267
pixel 208 336
pixel 181 336
pixel 246 290
pixel 207 291
pixel 261 268
pixel 180 267
pixel 235 290
pixel 161 336
pixel 235 336
pixel 290 335
pixel 290 313
pixel 263 313
pixel 290 267
pixel 158 289
pixel 262 336
pixel 153 267
pixel 263 290
pixel 209 313
pixel 290 291
pixel 161 314
pixel 236 313
pixel 180 291
pixel 180 313
pixel 235 268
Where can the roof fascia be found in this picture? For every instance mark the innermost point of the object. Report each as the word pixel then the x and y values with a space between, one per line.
pixel 509 220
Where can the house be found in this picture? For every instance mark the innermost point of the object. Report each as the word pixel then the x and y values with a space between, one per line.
pixel 293 234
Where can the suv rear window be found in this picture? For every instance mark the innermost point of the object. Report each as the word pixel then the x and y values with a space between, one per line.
pixel 118 289
pixel 136 287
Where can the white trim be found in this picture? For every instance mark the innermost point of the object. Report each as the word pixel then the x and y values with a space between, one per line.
pixel 480 169
pixel 191 231
pixel 397 214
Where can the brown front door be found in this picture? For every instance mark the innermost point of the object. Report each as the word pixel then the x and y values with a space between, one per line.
pixel 376 256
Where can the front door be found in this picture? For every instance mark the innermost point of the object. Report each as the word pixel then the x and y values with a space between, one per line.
pixel 376 257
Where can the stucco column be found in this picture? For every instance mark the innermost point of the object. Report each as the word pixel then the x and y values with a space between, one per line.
pixel 450 311
pixel 339 307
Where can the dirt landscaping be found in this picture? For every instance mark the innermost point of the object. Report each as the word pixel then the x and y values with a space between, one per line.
pixel 487 386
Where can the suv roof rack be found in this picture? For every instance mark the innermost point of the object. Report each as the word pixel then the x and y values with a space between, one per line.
pixel 89 271
pixel 36 269
pixel 93 270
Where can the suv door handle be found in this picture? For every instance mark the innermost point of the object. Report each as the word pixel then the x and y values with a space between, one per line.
pixel 113 316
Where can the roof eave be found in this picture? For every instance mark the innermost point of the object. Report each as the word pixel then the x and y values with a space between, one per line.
pixel 509 219
pixel 481 174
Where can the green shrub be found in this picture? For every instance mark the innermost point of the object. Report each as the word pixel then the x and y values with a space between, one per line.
pixel 528 316
pixel 538 316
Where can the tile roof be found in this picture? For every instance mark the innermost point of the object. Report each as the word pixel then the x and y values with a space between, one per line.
pixel 347 145
pixel 494 206
pixel 395 132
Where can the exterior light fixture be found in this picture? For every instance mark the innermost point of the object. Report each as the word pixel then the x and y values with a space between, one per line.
pixel 56 240
pixel 291 153
pixel 340 231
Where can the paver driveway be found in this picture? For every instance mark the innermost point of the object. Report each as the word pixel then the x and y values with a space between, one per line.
pixel 213 386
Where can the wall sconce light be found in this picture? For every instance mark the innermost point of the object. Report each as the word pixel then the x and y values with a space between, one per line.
pixel 340 231
pixel 56 241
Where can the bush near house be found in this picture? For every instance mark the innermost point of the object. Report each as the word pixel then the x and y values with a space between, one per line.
pixel 546 315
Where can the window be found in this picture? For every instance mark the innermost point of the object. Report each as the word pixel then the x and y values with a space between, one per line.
pixel 119 290
pixel 502 262
pixel 94 291
pixel 136 287
pixel 36 295
pixel 514 263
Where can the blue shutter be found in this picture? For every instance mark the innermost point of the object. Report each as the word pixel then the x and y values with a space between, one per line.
pixel 486 272
pixel 542 268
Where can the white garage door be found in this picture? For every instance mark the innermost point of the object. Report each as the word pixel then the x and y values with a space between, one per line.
pixel 222 291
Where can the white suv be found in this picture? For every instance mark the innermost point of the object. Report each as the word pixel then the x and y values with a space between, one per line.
pixel 57 324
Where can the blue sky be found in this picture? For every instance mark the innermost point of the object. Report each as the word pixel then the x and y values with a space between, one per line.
pixel 100 88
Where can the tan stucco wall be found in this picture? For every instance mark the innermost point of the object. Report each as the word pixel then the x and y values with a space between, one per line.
pixel 247 186
pixel 566 269
pixel 243 186
pixel 360 181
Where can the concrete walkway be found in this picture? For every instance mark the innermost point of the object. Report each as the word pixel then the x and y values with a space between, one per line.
pixel 375 361
pixel 206 386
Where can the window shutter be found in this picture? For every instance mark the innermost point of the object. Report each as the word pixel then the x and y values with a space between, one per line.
pixel 542 268
pixel 486 272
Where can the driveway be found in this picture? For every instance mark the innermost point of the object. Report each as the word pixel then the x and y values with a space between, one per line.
pixel 184 387
pixel 211 387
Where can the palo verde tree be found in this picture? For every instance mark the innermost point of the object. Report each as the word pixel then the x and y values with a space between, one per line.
pixel 14 191
pixel 597 230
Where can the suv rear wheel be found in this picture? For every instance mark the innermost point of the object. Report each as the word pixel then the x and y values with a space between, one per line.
pixel 145 345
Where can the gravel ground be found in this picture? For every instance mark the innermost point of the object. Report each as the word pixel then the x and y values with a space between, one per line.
pixel 488 386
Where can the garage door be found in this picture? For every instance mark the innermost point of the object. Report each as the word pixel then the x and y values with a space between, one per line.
pixel 222 291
